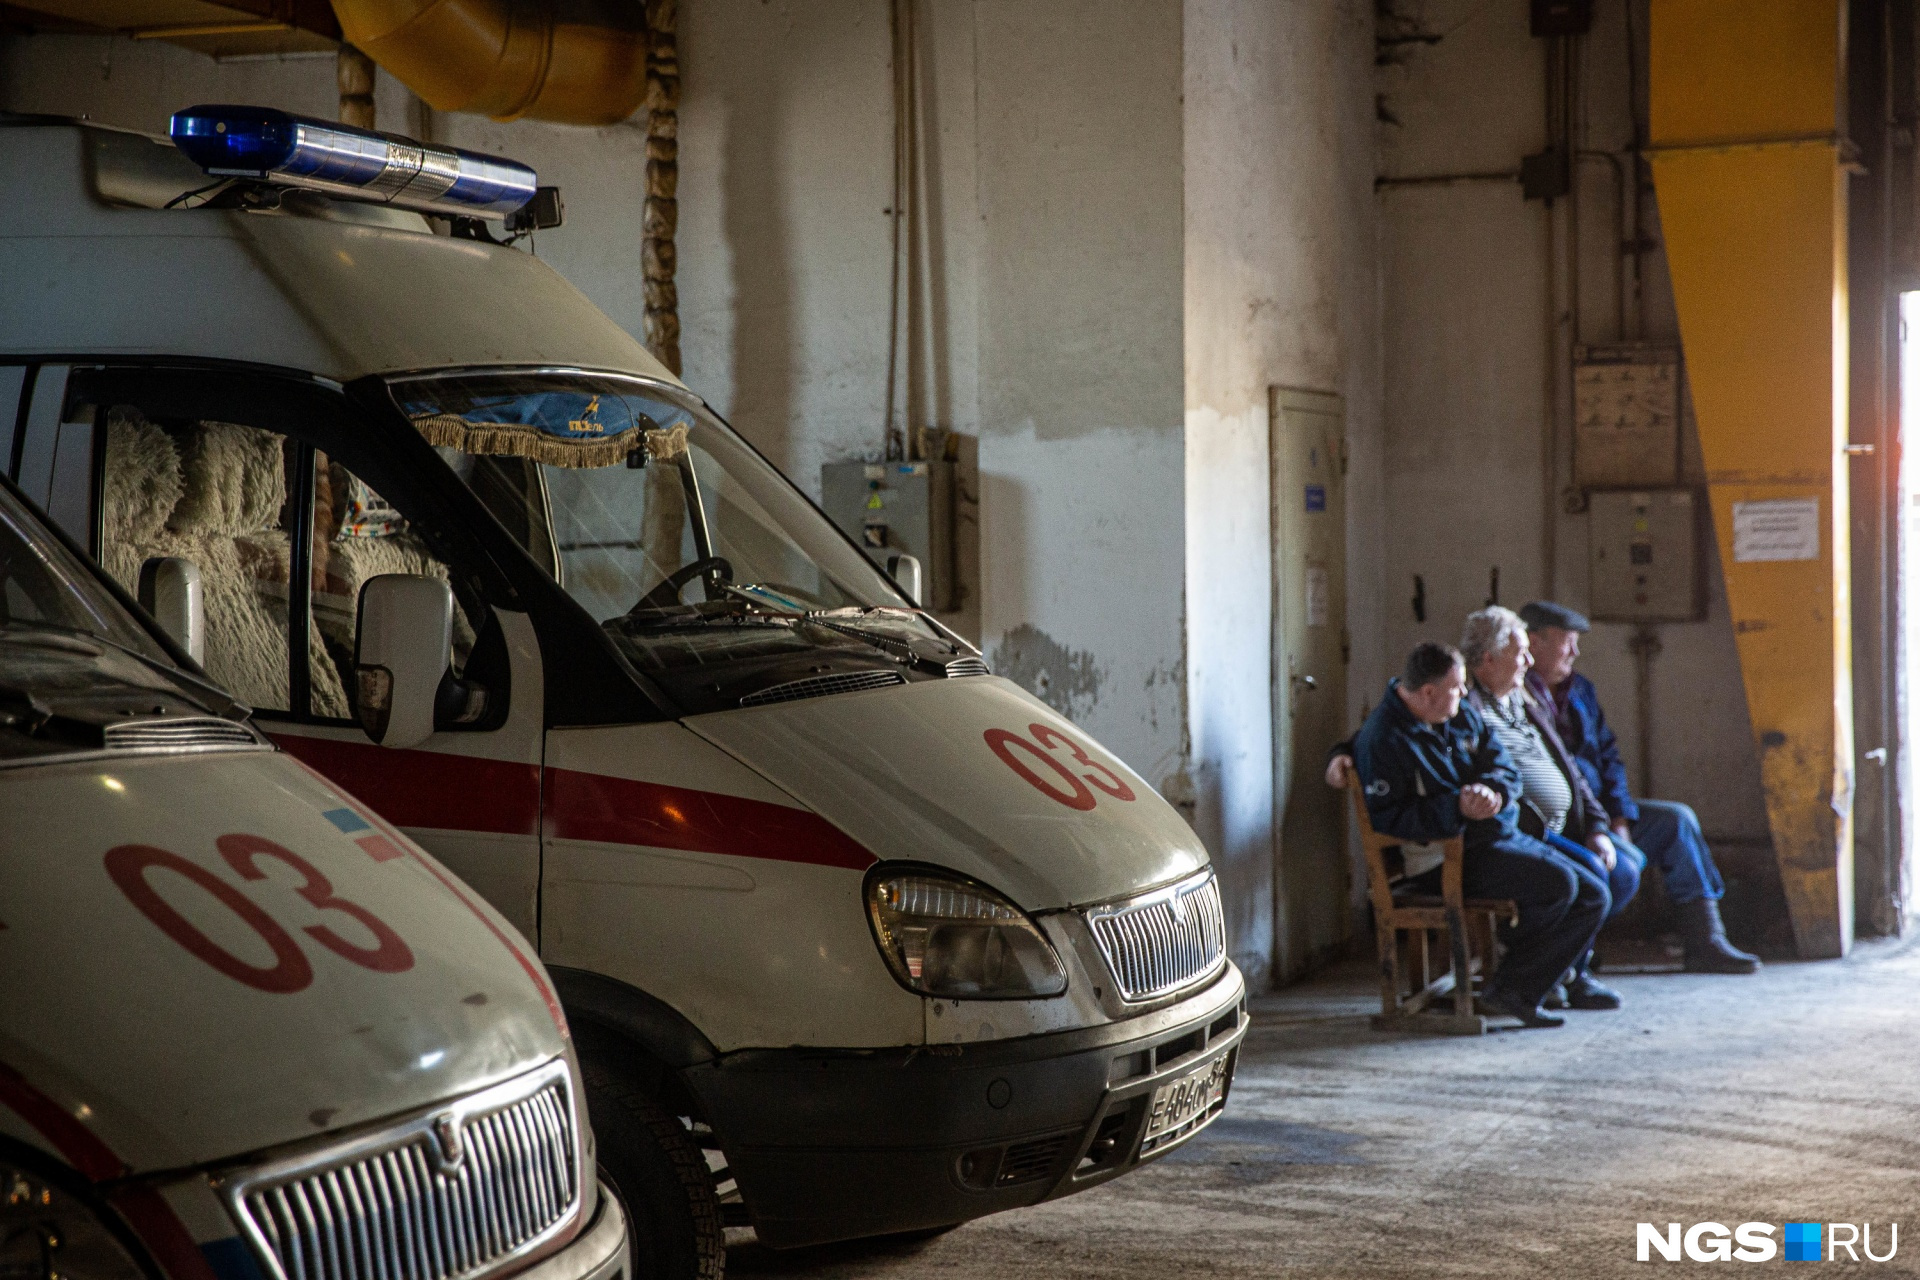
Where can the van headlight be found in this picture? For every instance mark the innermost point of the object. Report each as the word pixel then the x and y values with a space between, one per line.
pixel 944 935
pixel 46 1234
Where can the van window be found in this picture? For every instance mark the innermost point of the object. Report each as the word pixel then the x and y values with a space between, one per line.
pixel 240 501
pixel 217 494
pixel 357 535
pixel 56 455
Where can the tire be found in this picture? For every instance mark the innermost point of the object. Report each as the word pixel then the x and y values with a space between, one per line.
pixel 663 1180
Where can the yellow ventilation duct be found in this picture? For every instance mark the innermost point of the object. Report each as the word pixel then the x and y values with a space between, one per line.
pixel 577 62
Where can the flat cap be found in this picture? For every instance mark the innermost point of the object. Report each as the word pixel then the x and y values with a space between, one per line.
pixel 1545 613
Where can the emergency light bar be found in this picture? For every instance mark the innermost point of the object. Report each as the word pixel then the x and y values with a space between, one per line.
pixel 356 164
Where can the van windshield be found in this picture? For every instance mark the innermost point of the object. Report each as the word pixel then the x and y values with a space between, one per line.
pixel 680 540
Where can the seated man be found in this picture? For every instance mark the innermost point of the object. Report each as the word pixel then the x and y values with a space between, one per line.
pixel 1431 769
pixel 1667 833
pixel 1556 805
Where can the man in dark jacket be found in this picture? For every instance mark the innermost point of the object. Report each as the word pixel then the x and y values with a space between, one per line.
pixel 1431 769
pixel 1668 834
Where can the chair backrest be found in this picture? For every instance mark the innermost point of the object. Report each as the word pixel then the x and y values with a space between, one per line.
pixel 1379 878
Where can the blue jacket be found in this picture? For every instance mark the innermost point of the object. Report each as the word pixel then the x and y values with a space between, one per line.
pixel 1413 773
pixel 1596 752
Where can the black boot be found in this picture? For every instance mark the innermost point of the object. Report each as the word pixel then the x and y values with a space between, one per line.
pixel 1707 948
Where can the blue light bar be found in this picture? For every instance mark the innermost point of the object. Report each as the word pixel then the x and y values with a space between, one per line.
pixel 354 164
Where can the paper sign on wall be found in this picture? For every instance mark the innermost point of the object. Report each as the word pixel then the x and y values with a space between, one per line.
pixel 1777 529
pixel 1316 595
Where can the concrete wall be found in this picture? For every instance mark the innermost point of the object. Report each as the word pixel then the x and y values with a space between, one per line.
pixel 1280 291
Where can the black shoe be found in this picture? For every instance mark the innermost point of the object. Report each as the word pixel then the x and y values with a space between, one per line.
pixel 1707 948
pixel 1556 997
pixel 1506 1004
pixel 1585 991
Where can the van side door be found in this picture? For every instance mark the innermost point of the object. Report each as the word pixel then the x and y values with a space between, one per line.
pixel 287 505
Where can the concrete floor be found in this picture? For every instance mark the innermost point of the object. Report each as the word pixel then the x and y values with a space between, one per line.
pixel 1793 1095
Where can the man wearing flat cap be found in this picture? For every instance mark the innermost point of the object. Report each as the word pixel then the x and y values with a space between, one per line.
pixel 1667 833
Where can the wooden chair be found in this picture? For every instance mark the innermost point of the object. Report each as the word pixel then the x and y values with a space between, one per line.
pixel 1405 924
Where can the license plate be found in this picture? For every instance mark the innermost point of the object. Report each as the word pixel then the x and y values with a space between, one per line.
pixel 1181 1108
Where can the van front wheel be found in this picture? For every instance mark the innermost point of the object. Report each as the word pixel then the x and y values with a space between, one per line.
pixel 673 1217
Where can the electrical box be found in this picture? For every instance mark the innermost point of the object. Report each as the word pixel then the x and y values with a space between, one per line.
pixel 899 508
pixel 1626 416
pixel 1643 548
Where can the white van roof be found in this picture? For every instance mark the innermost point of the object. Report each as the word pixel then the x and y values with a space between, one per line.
pixel 94 266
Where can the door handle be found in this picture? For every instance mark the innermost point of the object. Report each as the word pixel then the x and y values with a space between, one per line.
pixel 1305 680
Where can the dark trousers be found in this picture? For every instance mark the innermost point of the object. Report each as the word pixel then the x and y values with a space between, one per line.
pixel 1622 882
pixel 1562 905
pixel 1669 833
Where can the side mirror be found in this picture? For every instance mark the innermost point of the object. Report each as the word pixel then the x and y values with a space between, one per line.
pixel 905 571
pixel 170 590
pixel 400 652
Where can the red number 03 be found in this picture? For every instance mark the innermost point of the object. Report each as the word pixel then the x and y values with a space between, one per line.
pixel 1020 754
pixel 129 866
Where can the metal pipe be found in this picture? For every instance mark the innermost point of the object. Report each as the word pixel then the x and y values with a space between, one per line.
pixel 1444 179
pixel 660 217
pixel 353 72
pixel 1619 237
pixel 897 26
pixel 1646 646
pixel 577 64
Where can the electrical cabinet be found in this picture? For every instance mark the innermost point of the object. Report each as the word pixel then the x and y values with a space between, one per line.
pixel 899 508
pixel 1643 549
pixel 1626 416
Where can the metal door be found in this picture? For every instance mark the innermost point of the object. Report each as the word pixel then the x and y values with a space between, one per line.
pixel 1312 875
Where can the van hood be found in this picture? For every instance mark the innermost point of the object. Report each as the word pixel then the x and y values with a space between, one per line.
pixel 209 955
pixel 974 774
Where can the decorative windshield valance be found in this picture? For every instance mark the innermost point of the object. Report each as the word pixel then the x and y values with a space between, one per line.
pixel 561 429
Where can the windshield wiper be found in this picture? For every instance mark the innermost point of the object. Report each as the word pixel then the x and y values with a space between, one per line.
pixel 690 618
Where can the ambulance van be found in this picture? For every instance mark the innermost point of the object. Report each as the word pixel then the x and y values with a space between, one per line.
pixel 248 1031
pixel 855 938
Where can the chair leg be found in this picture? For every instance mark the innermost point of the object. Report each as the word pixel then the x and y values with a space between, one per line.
pixel 1388 938
pixel 1458 942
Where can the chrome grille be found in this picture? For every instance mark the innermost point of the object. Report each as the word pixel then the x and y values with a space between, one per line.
pixel 1162 941
pixel 966 667
pixel 195 733
pixel 448 1195
pixel 821 686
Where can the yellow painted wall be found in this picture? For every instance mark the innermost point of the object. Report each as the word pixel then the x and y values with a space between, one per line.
pixel 1753 206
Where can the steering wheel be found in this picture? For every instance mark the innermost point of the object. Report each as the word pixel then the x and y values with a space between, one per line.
pixel 668 592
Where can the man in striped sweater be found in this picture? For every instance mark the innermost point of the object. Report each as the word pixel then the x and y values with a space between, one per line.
pixel 1556 805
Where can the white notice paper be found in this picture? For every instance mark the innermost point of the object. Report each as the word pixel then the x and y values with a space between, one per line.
pixel 1777 529
pixel 1316 595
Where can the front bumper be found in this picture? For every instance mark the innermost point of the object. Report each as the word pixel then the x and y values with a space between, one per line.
pixel 597 1253
pixel 834 1145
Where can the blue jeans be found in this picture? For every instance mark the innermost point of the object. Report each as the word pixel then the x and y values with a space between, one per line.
pixel 1622 882
pixel 1670 835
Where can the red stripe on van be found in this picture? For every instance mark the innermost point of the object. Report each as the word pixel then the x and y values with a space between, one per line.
pixel 592 806
pixel 78 1145
pixel 428 788
pixel 446 792
pixel 151 1217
